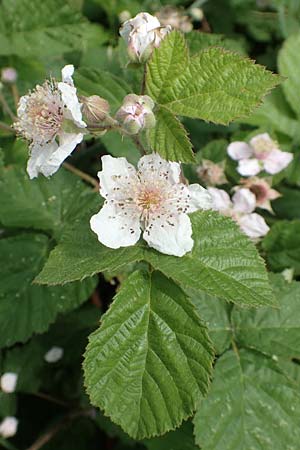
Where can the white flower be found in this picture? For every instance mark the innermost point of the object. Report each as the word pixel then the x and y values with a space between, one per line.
pixel 170 15
pixel 262 191
pixel 8 382
pixel 212 173
pixel 8 427
pixel 142 34
pixel 240 208
pixel 151 198
pixel 262 153
pixel 9 75
pixel 54 354
pixel 50 118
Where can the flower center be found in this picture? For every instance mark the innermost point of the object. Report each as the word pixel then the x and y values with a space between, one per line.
pixel 263 147
pixel 149 199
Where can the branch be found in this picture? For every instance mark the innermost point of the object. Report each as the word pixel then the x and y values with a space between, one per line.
pixel 139 145
pixel 6 108
pixel 84 176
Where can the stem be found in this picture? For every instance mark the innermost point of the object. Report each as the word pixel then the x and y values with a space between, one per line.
pixel 15 93
pixel 5 127
pixel 139 145
pixel 6 108
pixel 51 399
pixel 48 435
pixel 84 176
pixel 143 86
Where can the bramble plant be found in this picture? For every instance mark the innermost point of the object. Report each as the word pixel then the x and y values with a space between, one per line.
pixel 163 260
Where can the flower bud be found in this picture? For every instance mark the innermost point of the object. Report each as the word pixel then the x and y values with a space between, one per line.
pixel 212 173
pixel 197 14
pixel 136 113
pixel 124 15
pixel 8 382
pixel 142 34
pixel 94 109
pixel 9 75
pixel 8 427
pixel 54 354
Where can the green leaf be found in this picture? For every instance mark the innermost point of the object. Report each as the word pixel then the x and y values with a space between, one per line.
pixel 43 29
pixel 180 439
pixel 251 405
pixel 215 313
pixel 42 204
pixel 287 206
pixel 214 85
pixel 104 84
pixel 282 245
pixel 25 308
pixel 169 138
pixel 223 262
pixel 289 66
pixel 150 361
pixel 270 330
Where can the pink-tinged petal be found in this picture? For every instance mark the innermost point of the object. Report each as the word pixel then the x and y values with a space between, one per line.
pixel 67 73
pixel 239 150
pixel 220 199
pixel 172 237
pixel 262 137
pixel 244 201
pixel 248 167
pixel 73 107
pixel 114 229
pixel 38 160
pixel 200 198
pixel 253 225
pixel 166 169
pixel 115 173
pixel 276 161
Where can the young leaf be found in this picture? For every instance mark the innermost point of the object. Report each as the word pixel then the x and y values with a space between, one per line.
pixel 223 262
pixel 270 330
pixel 25 308
pixel 282 245
pixel 251 405
pixel 289 66
pixel 214 85
pixel 150 361
pixel 169 138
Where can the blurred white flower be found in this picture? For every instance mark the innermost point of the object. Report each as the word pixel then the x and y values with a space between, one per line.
pixel 8 427
pixel 142 34
pixel 176 18
pixel 50 118
pixel 8 382
pixel 212 173
pixel 151 198
pixel 262 190
pixel 54 354
pixel 136 113
pixel 9 75
pixel 262 153
pixel 240 209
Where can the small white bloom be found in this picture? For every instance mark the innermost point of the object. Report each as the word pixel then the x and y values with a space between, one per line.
pixel 240 209
pixel 176 17
pixel 8 427
pixel 262 190
pixel 262 153
pixel 151 198
pixel 8 382
pixel 9 75
pixel 142 34
pixel 212 173
pixel 50 118
pixel 54 354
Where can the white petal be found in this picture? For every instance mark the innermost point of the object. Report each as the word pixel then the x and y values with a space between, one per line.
pixel 66 74
pixel 67 143
pixel 262 137
pixel 253 225
pixel 154 163
pixel 220 199
pixel 8 382
pixel 277 161
pixel 248 167
pixel 54 354
pixel 172 240
pixel 114 229
pixel 8 427
pixel 38 160
pixel 200 198
pixel 112 170
pixel 244 201
pixel 239 150
pixel 73 107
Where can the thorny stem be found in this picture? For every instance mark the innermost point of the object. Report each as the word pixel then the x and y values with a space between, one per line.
pixel 143 86
pixel 84 176
pixel 48 435
pixel 6 107
pixel 5 127
pixel 139 145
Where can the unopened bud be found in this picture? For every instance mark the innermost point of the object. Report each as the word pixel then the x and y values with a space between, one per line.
pixel 8 427
pixel 8 382
pixel 136 113
pixel 54 354
pixel 94 109
pixel 197 14
pixel 9 75
pixel 124 15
